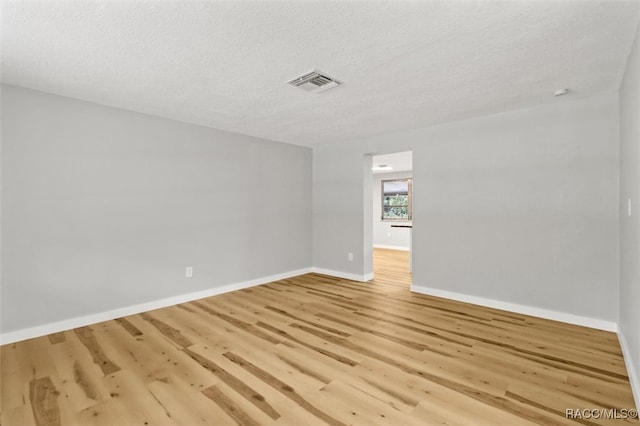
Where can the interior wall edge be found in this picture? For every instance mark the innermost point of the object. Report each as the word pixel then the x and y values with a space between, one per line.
pixel 634 380
pixel 533 311
pixel 345 275
pixel 68 324
pixel 391 247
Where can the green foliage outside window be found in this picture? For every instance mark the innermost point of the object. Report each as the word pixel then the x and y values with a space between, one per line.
pixel 396 199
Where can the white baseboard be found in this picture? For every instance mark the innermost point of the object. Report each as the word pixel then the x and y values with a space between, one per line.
pixel 42 330
pixel 383 246
pixel 631 369
pixel 521 309
pixel 345 275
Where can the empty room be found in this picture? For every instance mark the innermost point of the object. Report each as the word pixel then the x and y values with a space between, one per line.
pixel 319 212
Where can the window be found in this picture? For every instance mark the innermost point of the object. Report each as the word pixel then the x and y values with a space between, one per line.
pixel 396 199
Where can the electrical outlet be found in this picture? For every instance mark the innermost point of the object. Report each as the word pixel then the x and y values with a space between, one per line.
pixel 350 257
pixel 188 272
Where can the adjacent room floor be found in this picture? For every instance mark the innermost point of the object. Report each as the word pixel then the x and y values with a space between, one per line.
pixel 316 350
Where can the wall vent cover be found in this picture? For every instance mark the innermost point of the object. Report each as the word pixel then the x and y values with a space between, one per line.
pixel 314 81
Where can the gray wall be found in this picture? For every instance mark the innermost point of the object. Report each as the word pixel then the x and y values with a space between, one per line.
pixel 520 207
pixel 1 125
pixel 340 214
pixel 630 226
pixel 383 233
pixel 104 208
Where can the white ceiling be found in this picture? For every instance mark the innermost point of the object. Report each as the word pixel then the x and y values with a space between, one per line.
pixel 403 64
pixel 398 161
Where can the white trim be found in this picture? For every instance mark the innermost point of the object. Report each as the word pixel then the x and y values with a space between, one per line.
pixel 521 309
pixel 345 275
pixel 631 370
pixel 386 247
pixel 42 330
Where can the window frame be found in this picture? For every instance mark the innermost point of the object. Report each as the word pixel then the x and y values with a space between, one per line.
pixel 409 200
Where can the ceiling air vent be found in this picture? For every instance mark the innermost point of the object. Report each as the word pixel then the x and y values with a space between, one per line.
pixel 314 82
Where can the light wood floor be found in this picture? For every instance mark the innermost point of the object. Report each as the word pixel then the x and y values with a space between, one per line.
pixel 316 350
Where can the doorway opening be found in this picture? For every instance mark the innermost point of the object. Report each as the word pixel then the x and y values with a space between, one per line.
pixel 392 204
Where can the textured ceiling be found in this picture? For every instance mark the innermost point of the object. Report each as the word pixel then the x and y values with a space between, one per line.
pixel 403 64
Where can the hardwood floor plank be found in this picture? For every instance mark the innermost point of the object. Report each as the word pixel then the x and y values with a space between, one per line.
pixel 108 413
pixel 315 324
pixel 304 369
pixel 327 353
pixel 131 329
pixel 134 399
pixel 55 338
pixel 85 334
pixel 229 407
pixel 172 334
pixel 186 408
pixel 81 379
pixel 249 328
pixel 13 386
pixel 283 388
pixel 247 392
pixel 545 407
pixel 15 416
pixel 43 397
pixel 363 407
